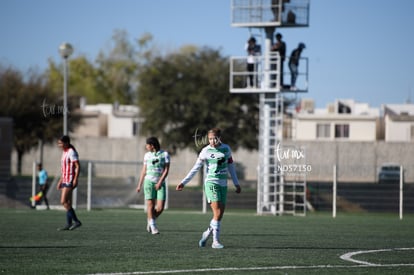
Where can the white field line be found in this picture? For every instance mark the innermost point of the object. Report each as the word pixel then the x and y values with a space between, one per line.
pixel 345 257
pixel 289 267
pixel 348 256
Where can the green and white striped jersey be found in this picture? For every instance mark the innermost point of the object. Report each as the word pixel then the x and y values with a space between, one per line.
pixel 155 163
pixel 218 159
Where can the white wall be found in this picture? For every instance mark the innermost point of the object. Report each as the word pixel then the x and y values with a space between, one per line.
pixel 107 120
pixel 305 130
pixel 120 127
pixel 360 128
pixel 397 130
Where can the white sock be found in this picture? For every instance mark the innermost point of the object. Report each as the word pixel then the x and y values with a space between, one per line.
pixel 208 231
pixel 215 226
pixel 151 222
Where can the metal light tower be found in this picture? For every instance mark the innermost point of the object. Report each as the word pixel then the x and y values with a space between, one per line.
pixel 65 50
pixel 275 195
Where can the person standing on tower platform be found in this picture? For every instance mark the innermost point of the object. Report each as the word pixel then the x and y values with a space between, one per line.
pixel 294 64
pixel 280 47
pixel 252 51
pixel 276 4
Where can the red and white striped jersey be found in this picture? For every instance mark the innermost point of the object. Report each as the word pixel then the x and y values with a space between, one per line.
pixel 69 157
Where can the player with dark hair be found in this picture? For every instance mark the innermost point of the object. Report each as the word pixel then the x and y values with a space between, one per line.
pixel 280 47
pixel 294 64
pixel 68 181
pixel 153 174
pixel 219 160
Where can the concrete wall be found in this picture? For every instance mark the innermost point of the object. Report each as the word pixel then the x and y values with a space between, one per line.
pixel 356 161
pixel 126 150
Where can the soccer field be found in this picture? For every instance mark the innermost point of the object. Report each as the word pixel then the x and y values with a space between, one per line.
pixel 115 241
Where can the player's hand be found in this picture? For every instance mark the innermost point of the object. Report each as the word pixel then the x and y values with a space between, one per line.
pixel 179 187
pixel 138 189
pixel 238 189
pixel 74 184
pixel 158 186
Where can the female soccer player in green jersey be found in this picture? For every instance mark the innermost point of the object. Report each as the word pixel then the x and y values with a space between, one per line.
pixel 219 161
pixel 153 174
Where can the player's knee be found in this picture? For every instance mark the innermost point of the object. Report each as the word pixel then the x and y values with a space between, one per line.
pixel 159 209
pixel 158 212
pixel 64 202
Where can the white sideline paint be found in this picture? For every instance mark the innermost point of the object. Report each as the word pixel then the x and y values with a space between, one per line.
pixel 348 256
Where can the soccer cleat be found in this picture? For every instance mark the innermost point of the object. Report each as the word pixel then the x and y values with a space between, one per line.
pixel 75 225
pixel 217 245
pixel 203 240
pixel 154 230
pixel 148 228
pixel 66 227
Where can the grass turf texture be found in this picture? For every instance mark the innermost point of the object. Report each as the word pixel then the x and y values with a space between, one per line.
pixel 115 241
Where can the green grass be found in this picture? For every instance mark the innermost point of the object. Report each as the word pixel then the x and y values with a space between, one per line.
pixel 115 241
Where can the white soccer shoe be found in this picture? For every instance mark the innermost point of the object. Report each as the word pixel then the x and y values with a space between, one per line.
pixel 203 240
pixel 154 230
pixel 217 245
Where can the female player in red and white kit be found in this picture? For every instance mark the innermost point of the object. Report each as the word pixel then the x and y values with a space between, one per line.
pixel 68 181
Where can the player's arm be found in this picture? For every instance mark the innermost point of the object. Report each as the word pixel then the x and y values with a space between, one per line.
pixel 190 175
pixel 46 178
pixel 58 185
pixel 232 170
pixel 163 175
pixel 141 177
pixel 76 176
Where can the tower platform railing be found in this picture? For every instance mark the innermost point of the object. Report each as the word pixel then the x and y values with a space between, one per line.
pixel 262 80
pixel 270 13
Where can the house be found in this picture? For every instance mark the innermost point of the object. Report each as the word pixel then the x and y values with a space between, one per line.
pixel 344 119
pixel 108 120
pixel 399 122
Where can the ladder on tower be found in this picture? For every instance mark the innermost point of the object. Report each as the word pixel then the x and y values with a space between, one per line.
pixel 282 170
pixel 271 122
pixel 292 190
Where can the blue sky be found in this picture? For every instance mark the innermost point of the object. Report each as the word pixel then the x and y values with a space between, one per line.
pixel 357 49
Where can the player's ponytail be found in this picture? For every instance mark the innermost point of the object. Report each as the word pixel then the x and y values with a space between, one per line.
pixel 154 142
pixel 66 140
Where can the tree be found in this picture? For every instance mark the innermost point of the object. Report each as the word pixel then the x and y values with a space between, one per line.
pixel 113 75
pixel 36 111
pixel 117 70
pixel 83 80
pixel 183 94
